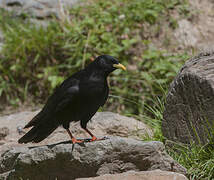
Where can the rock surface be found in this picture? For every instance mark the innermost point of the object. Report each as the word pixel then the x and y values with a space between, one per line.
pixel 4 131
pixel 197 31
pixel 189 113
pixel 102 124
pixel 187 34
pixel 39 9
pixel 65 161
pixel 143 175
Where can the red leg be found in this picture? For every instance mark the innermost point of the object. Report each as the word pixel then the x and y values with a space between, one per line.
pixel 94 138
pixel 73 139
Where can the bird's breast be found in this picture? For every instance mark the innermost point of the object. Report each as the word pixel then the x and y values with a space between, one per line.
pixel 94 92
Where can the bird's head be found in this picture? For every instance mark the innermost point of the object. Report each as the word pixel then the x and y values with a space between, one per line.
pixel 108 63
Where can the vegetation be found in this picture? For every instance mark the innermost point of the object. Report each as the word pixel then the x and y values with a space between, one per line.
pixel 197 159
pixel 35 59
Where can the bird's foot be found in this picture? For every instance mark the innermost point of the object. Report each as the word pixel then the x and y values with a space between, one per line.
pixel 74 141
pixel 94 138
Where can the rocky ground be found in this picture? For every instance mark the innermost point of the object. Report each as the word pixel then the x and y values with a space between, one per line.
pixel 102 124
pixel 197 32
pixel 148 175
pixel 114 155
pixel 200 28
pixel 111 156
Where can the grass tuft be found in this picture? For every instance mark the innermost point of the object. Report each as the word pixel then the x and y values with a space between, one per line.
pixel 197 159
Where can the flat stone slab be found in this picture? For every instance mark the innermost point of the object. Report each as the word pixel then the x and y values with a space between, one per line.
pixel 102 124
pixel 142 175
pixel 67 161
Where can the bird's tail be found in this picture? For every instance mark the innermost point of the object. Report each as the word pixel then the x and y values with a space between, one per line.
pixel 38 133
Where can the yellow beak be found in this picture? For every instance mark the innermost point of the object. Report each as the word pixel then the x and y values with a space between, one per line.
pixel 119 66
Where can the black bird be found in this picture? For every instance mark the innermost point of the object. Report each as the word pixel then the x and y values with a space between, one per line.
pixel 77 98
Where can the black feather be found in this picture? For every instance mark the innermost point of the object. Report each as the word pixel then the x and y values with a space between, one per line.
pixel 77 98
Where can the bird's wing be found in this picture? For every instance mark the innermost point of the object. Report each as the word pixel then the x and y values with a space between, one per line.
pixel 68 96
pixel 105 97
pixel 62 95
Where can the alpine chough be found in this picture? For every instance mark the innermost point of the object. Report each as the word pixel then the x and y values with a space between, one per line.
pixel 77 99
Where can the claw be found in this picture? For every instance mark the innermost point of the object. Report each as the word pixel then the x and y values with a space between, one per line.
pixel 94 138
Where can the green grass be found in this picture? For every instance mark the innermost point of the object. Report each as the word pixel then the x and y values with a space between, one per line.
pixel 199 160
pixel 35 59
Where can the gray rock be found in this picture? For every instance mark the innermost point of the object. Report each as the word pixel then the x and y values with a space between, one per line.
pixel 102 124
pixel 4 176
pixel 197 30
pixel 7 160
pixel 4 131
pixel 108 123
pixel 189 114
pixel 187 34
pixel 39 9
pixel 65 161
pixel 15 2
pixel 142 175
